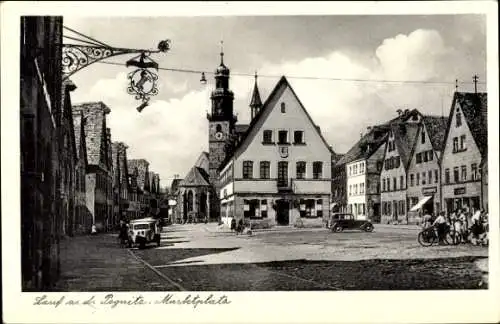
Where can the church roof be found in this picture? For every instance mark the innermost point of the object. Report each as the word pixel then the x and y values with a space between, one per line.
pixel 255 101
pixel 196 177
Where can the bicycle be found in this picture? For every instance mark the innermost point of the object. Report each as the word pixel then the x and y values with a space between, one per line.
pixel 429 236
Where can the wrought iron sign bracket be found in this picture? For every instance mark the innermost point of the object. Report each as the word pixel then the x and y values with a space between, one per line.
pixel 76 57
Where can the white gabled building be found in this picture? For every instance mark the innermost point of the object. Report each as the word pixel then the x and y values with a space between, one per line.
pixel 280 171
pixel 424 175
pixel 466 144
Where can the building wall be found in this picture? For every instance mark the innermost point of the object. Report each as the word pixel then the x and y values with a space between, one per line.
pixel 465 192
pixel 484 183
pixel 356 188
pixel 425 186
pixel 293 119
pixel 235 207
pixel 41 223
pixel 339 192
pixel 290 118
pixel 394 194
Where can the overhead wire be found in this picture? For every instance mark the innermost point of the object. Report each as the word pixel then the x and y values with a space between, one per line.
pixel 308 77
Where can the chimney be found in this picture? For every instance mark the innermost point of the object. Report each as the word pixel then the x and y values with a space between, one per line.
pixel 399 111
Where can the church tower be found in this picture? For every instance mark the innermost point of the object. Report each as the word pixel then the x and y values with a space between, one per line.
pixel 221 121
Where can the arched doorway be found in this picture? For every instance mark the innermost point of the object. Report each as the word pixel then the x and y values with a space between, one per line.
pixel 203 205
pixel 184 206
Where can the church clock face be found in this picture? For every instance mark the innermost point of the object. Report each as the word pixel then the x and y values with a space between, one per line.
pixel 219 136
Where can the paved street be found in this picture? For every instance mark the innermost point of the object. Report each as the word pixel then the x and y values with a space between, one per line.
pixel 197 257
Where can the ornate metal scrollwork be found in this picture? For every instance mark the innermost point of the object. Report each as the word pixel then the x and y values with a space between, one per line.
pixel 143 84
pixel 75 58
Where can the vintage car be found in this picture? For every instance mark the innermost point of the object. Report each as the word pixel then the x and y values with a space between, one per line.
pixel 340 221
pixel 143 231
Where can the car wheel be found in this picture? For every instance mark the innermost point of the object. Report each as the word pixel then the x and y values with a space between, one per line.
pixel 338 229
pixel 368 228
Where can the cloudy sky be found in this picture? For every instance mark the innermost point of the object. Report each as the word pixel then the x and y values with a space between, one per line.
pixel 172 131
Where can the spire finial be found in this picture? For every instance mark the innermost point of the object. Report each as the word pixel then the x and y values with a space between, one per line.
pixel 255 76
pixel 456 85
pixel 221 52
pixel 475 78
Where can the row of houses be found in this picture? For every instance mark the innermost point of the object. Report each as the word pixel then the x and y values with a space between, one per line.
pixel 417 163
pixel 279 170
pixel 72 175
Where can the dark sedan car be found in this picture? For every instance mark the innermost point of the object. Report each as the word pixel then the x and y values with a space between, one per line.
pixel 340 221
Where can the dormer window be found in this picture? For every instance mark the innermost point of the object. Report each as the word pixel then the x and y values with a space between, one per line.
pixel 283 107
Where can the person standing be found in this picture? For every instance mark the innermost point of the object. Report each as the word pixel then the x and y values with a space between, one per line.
pixel 441 225
pixel 426 220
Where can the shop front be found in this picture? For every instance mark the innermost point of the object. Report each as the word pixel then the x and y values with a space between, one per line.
pixel 463 197
pixel 427 201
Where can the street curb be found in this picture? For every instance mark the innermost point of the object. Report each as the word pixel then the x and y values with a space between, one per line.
pixel 159 273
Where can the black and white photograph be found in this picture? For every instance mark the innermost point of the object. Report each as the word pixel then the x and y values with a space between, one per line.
pixel 194 153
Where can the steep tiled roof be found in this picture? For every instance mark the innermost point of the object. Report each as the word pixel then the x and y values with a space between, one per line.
pixel 436 130
pixel 241 128
pixel 366 146
pixel 270 101
pixel 195 177
pixel 404 137
pixel 474 107
pixel 375 137
pixel 95 132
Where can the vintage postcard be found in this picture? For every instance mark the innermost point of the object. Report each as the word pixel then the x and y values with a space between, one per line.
pixel 250 162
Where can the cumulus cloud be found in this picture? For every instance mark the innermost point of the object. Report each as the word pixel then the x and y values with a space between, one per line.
pixel 171 133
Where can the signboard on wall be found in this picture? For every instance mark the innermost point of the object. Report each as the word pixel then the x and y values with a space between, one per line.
pixel 459 191
pixel 429 191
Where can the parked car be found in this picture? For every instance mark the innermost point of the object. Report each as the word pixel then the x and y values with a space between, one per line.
pixel 340 221
pixel 144 231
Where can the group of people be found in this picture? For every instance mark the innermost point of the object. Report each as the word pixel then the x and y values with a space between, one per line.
pixel 471 226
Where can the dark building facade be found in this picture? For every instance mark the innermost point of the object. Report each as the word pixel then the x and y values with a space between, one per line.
pixel 120 181
pixel 98 182
pixel 140 171
pixel 339 181
pixel 40 116
pixel 83 218
pixel 69 159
